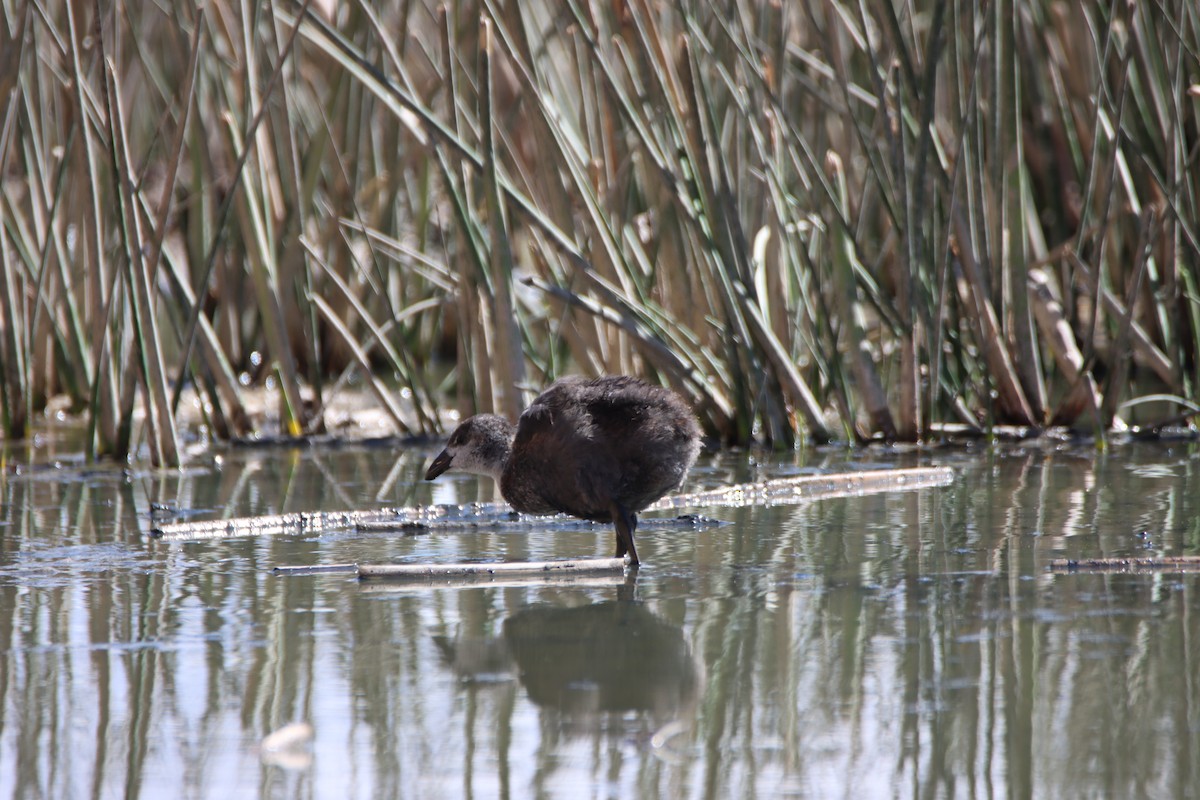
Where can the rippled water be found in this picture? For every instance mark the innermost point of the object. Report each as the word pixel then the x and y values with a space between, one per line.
pixel 912 644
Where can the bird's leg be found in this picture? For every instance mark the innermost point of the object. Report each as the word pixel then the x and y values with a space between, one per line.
pixel 626 524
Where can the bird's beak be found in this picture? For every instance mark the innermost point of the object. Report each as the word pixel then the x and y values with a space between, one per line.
pixel 439 465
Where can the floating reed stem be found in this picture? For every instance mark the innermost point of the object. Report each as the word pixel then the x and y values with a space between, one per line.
pixel 316 569
pixel 576 580
pixel 813 487
pixel 774 492
pixel 502 568
pixel 1119 564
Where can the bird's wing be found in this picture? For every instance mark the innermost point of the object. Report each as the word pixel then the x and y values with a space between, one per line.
pixel 557 456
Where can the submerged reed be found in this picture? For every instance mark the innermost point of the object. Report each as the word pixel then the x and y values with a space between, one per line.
pixel 816 220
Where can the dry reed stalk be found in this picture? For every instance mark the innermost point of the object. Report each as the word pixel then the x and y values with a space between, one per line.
pixel 98 364
pixel 14 406
pixel 1082 401
pixel 1008 215
pixel 1115 384
pixel 507 568
pixel 148 342
pixel 219 370
pixel 507 357
pixel 1146 353
pixel 852 315
pixel 1010 394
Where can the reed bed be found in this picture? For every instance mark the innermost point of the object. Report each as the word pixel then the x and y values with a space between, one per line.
pixel 816 220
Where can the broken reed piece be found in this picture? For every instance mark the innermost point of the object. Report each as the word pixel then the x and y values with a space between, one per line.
pixel 315 569
pixel 1127 564
pixel 801 488
pixel 427 570
pixel 777 491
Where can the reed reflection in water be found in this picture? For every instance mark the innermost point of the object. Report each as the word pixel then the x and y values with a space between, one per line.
pixel 909 645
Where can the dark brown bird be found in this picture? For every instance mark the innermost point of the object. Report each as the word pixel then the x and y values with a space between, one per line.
pixel 600 449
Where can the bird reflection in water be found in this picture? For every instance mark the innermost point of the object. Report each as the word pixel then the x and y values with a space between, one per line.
pixel 612 665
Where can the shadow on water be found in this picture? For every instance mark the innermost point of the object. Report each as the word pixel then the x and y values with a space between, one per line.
pixel 910 644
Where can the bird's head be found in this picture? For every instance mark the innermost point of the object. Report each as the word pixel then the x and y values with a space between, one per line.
pixel 479 445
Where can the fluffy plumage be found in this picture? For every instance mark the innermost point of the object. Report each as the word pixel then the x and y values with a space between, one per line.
pixel 601 450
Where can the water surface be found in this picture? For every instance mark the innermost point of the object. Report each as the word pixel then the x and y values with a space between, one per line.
pixel 903 645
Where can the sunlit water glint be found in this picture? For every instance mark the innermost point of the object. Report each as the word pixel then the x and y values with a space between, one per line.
pixel 910 644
